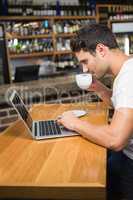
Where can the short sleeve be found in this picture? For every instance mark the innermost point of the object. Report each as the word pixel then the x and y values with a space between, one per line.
pixel 123 91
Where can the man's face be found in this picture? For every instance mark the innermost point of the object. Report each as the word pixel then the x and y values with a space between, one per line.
pixel 94 64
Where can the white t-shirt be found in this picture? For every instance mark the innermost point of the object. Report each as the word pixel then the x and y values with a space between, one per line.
pixel 122 96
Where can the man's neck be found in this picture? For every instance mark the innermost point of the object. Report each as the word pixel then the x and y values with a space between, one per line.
pixel 117 59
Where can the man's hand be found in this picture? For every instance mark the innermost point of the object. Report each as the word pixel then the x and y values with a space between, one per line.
pixel 101 90
pixel 68 120
pixel 96 85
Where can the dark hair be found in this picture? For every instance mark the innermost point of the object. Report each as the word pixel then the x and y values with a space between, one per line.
pixel 89 36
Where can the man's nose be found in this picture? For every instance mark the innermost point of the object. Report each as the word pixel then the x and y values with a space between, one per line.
pixel 85 69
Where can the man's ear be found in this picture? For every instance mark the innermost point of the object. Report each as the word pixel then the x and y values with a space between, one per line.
pixel 101 49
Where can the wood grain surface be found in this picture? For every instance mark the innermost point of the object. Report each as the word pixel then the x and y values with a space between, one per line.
pixel 62 168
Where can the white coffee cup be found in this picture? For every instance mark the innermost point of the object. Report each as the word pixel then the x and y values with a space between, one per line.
pixel 84 80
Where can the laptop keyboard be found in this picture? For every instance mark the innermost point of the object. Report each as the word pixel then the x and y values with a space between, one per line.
pixel 47 128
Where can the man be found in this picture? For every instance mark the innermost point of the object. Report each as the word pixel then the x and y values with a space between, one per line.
pixel 97 50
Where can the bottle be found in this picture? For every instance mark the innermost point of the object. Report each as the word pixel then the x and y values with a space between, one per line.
pixel 65 9
pixel 35 45
pixel 48 9
pixel 88 8
pixel 69 10
pixel 71 7
pixel 53 7
pixel 4 7
pixel 65 27
pixel 54 28
pixel 58 8
pixel 67 44
pixel 59 27
pixel 126 45
pixel 62 9
pixel 93 7
pixel 46 26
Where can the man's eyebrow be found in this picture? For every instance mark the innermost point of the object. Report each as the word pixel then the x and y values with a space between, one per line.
pixel 83 61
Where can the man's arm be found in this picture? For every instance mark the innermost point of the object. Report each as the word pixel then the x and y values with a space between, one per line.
pixel 114 136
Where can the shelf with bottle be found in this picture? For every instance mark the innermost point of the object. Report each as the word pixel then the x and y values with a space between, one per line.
pixel 41 18
pixel 64 35
pixel 28 30
pixel 40 54
pixel 45 28
pixel 9 36
pixel 27 40
pixel 55 8
pixel 19 48
pixel 64 52
pixel 107 12
pixel 31 55
pixel 49 36
pixel 62 44
pixel 125 42
pixel 123 30
pixel 31 38
pixel 121 12
pixel 65 62
pixel 68 26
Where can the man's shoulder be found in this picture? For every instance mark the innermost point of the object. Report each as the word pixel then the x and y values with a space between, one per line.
pixel 128 66
pixel 125 78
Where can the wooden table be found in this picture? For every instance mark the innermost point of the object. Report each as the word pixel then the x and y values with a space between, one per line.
pixel 64 168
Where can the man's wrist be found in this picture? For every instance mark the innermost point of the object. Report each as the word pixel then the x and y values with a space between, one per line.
pixel 76 125
pixel 103 91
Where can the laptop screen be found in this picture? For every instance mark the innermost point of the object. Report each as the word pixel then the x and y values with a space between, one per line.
pixel 21 109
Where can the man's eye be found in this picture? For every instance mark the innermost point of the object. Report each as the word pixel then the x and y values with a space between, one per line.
pixel 85 62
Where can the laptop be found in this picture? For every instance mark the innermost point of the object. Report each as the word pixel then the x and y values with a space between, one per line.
pixel 40 129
